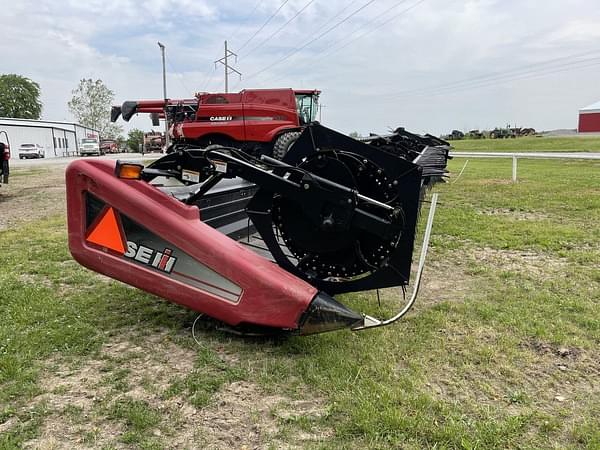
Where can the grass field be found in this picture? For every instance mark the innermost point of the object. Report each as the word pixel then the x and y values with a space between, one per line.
pixel 531 144
pixel 501 351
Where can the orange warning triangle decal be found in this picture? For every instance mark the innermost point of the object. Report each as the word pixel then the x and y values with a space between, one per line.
pixel 107 232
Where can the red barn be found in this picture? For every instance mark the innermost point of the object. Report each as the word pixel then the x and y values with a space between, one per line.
pixel 589 119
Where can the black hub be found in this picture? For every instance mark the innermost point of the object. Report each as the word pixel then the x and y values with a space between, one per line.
pixel 328 247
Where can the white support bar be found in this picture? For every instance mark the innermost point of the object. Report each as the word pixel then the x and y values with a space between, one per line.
pixel 372 322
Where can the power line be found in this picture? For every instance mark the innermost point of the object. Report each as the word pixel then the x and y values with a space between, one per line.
pixel 385 22
pixel 332 44
pixel 275 33
pixel 263 25
pixel 329 52
pixel 183 85
pixel 210 79
pixel 514 77
pixel 498 76
pixel 279 29
pixel 327 31
pixel 254 8
pixel 494 74
pixel 531 75
pixel 341 11
pixel 338 14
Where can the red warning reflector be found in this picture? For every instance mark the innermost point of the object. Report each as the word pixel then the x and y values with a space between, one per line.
pixel 107 232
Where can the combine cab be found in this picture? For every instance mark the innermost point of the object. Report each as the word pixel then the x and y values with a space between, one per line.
pixel 257 121
pixel 336 215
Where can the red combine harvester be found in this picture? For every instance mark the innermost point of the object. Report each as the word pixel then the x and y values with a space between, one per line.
pixel 257 121
pixel 334 215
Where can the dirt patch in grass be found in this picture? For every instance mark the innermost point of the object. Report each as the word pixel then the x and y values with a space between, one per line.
pixel 492 181
pixel 32 195
pixel 445 278
pixel 451 275
pixel 242 416
pixel 514 214
pixel 35 280
pixel 126 367
pixel 84 400
pixel 546 348
pixel 60 282
pixel 557 386
pixel 537 264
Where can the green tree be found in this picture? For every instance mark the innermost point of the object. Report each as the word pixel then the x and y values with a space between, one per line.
pixel 19 97
pixel 134 139
pixel 121 142
pixel 91 105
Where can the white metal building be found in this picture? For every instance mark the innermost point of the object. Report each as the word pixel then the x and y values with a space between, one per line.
pixel 57 138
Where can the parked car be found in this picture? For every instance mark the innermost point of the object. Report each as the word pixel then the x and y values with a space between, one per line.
pixel 90 147
pixel 27 151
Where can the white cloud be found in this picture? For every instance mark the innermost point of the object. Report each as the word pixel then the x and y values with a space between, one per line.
pixel 437 42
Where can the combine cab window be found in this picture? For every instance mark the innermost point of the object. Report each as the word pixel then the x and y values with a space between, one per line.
pixel 215 100
pixel 307 106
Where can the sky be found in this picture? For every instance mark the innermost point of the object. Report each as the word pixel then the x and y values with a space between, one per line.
pixel 428 65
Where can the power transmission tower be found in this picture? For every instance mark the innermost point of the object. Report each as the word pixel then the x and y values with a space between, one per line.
pixel 228 69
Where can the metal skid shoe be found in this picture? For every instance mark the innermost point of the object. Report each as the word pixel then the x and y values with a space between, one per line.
pixel 336 215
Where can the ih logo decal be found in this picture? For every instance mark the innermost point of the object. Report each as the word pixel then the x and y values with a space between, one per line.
pixel 108 233
pixel 159 260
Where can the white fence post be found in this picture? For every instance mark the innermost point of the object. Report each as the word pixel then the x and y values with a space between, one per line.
pixel 535 155
pixel 514 169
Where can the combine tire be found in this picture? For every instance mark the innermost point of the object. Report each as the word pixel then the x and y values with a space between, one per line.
pixel 284 143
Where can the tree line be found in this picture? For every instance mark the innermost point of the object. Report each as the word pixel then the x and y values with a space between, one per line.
pixel 90 104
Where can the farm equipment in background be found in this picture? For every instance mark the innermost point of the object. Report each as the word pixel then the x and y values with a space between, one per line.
pixel 334 215
pixel 496 133
pixel 521 132
pixel 4 157
pixel 109 146
pixel 502 133
pixel 475 134
pixel 257 121
pixel 154 141
pixel 455 135
pixel 511 132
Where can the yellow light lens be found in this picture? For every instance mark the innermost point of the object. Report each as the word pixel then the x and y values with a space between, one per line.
pixel 129 171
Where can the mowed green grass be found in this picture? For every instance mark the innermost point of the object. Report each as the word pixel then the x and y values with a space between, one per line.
pixel 502 356
pixel 531 144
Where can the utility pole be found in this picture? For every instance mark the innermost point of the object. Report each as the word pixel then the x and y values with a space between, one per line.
pixel 162 50
pixel 228 69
